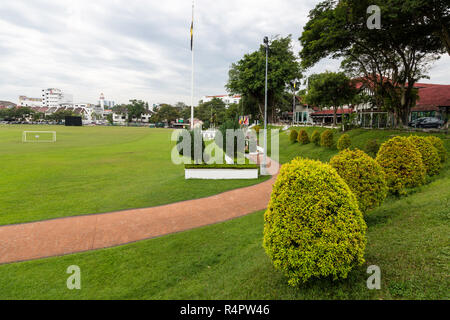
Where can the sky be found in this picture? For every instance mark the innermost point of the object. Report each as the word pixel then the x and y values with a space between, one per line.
pixel 140 49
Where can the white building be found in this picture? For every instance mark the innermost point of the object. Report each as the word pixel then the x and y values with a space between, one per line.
pixel 105 104
pixel 227 99
pixel 53 98
pixel 30 102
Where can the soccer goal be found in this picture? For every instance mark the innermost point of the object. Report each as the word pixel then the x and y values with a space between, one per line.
pixel 39 136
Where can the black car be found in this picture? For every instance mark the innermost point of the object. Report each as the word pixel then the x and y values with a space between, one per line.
pixel 430 123
pixel 416 122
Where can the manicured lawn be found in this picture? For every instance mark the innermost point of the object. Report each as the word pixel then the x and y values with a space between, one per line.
pixel 92 170
pixel 408 238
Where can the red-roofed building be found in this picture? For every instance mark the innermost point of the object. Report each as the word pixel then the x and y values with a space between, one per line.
pixel 434 101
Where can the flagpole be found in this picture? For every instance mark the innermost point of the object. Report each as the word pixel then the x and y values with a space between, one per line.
pixel 192 79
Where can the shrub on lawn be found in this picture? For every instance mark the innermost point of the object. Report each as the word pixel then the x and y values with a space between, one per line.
pixel 327 139
pixel 315 138
pixel 372 147
pixel 313 226
pixel 303 137
pixel 195 134
pixel 239 136
pixel 344 142
pixel 439 145
pixel 293 136
pixel 402 163
pixel 430 155
pixel 364 176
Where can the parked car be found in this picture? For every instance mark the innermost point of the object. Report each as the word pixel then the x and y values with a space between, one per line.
pixel 426 122
pixel 430 123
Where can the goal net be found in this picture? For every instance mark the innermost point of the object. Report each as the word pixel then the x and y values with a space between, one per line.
pixel 39 136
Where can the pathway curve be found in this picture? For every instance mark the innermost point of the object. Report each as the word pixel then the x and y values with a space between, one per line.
pixel 83 233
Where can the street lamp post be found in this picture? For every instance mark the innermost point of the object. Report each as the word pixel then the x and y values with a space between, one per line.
pixel 264 166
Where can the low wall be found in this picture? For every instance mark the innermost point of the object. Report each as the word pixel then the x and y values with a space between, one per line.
pixel 222 174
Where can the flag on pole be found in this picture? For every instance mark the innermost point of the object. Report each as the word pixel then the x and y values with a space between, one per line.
pixel 192 35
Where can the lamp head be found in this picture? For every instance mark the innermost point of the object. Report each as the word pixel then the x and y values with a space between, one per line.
pixel 266 40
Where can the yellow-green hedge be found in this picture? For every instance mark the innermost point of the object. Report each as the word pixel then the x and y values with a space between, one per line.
pixel 344 142
pixel 293 136
pixel 313 226
pixel 303 137
pixel 315 138
pixel 327 139
pixel 364 176
pixel 402 163
pixel 430 155
pixel 439 145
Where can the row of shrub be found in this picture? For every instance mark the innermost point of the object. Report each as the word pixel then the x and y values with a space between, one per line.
pixel 314 224
pixel 326 139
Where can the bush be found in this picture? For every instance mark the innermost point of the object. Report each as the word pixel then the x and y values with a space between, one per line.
pixel 402 163
pixel 303 137
pixel 239 136
pixel 372 147
pixel 293 137
pixel 315 138
pixel 364 176
pixel 439 145
pixel 430 155
pixel 327 139
pixel 195 134
pixel 344 142
pixel 313 226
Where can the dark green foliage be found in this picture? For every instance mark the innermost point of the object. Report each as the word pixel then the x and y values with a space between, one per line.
pixel 327 139
pixel 293 136
pixel 372 147
pixel 315 138
pixel 303 137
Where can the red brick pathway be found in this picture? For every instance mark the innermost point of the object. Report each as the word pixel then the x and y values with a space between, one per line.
pixel 77 234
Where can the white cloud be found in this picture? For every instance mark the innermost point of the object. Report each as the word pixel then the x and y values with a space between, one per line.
pixel 139 48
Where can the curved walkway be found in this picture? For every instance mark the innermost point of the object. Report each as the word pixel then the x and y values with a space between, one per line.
pixel 83 233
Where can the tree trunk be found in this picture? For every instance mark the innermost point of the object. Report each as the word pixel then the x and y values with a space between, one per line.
pixel 335 117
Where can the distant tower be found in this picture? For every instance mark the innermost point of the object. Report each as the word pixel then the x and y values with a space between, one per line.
pixel 102 101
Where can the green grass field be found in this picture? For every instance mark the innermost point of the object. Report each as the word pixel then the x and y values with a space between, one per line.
pixel 92 170
pixel 408 238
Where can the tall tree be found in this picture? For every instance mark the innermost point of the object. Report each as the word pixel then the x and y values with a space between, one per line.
pixel 165 113
pixel 330 90
pixel 136 109
pixel 212 112
pixel 247 76
pixel 390 60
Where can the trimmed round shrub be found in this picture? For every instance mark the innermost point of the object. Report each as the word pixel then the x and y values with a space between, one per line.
pixel 293 136
pixel 315 138
pixel 196 135
pixel 372 147
pixel 439 145
pixel 364 176
pixel 430 155
pixel 344 142
pixel 402 163
pixel 327 139
pixel 313 226
pixel 303 137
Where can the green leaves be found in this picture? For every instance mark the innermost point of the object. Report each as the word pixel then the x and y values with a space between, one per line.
pixel 313 225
